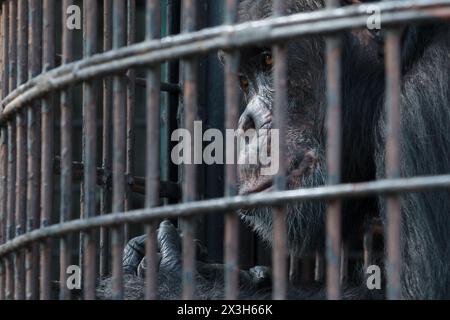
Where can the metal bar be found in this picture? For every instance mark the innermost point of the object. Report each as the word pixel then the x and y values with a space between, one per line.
pixel 5 49
pixel 119 150
pixel 130 103
pixel 105 198
pixel 393 90
pixel 218 206
pixel 66 157
pixel 33 143
pixel 2 166
pixel 204 41
pixel 3 149
pixel 165 87
pixel 232 99
pixel 344 263
pixel 319 267
pixel 334 132
pixel 189 187
pixel 21 147
pixel 11 199
pixel 368 247
pixel 167 189
pixel 153 27
pixel 90 151
pixel 47 147
pixel 279 246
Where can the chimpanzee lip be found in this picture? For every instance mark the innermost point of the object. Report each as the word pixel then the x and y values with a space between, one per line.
pixel 259 187
pixel 266 184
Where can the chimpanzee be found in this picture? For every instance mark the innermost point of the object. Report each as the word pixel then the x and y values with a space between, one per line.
pixel 425 150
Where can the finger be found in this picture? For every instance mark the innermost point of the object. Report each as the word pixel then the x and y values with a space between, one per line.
pixel 133 254
pixel 170 246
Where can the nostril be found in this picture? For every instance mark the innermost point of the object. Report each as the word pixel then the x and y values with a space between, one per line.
pixel 249 123
pixel 246 122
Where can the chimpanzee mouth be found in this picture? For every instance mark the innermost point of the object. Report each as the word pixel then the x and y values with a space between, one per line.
pixel 294 174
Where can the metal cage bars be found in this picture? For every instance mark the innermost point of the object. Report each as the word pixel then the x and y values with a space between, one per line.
pixel 19 186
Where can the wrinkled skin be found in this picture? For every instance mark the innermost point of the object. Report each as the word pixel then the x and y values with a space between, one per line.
pixel 425 149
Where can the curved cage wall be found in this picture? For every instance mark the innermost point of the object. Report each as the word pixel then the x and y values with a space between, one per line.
pixel 87 111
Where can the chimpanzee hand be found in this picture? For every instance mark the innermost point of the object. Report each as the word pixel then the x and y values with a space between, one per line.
pixel 169 254
pixel 209 277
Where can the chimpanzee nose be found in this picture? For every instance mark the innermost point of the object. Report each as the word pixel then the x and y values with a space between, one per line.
pixel 255 116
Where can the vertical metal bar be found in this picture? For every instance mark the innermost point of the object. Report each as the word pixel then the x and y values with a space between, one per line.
pixel 333 223
pixel 21 173
pixel 153 27
pixel 3 149
pixel 153 31
pixel 33 146
pixel 344 263
pixel 189 187
pixel 319 266
pixel 5 46
pixel 12 51
pixel 131 101
pixel 232 95
pixel 279 246
pixel 47 146
pixel 105 198
pixel 368 247
pixel 393 90
pixel 12 45
pixel 66 156
pixel 119 150
pixel 90 151
pixel 3 167
pixel 10 206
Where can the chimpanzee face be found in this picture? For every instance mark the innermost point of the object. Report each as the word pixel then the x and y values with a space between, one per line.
pixel 305 119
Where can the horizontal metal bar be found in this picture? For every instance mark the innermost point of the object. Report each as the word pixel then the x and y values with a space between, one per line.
pixel 165 87
pixel 221 205
pixel 168 189
pixel 223 37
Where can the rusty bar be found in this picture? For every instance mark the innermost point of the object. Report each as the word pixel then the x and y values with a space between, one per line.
pixel 232 99
pixel 21 147
pixel 153 27
pixel 218 206
pixel 2 170
pixel 189 187
pixel 5 48
pixel 119 150
pixel 3 150
pixel 183 45
pixel 165 87
pixel 319 267
pixel 393 90
pixel 11 199
pixel 131 102
pixel 105 198
pixel 368 247
pixel 12 53
pixel 279 246
pixel 344 263
pixel 333 123
pixel 90 151
pixel 33 147
pixel 66 156
pixel 49 53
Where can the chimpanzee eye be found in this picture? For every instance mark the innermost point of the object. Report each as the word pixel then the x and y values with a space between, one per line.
pixel 267 59
pixel 244 83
